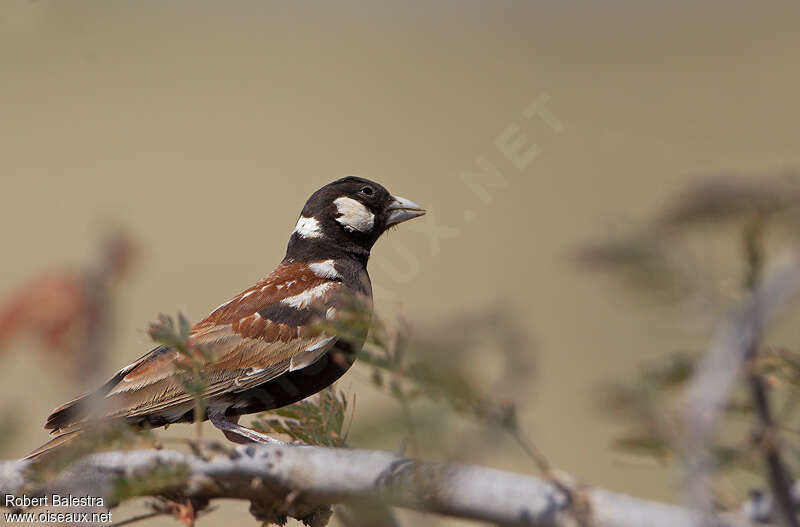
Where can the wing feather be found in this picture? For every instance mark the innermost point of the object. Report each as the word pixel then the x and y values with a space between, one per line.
pixel 253 338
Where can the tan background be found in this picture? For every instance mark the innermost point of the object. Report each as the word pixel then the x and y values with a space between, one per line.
pixel 205 125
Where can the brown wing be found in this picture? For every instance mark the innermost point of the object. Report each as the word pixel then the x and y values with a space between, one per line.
pixel 261 333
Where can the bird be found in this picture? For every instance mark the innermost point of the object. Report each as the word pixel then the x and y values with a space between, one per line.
pixel 262 349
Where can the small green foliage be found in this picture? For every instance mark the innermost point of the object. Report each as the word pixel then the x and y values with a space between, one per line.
pixel 316 421
pixel 643 262
pixel 672 372
pixel 437 369
pixel 654 256
pixel 165 331
pixel 422 380
pixel 748 209
pixel 98 438
pixel 645 445
pixel 415 373
pixel 732 198
pixel 155 481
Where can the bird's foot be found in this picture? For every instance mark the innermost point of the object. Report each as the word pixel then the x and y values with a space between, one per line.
pixel 241 434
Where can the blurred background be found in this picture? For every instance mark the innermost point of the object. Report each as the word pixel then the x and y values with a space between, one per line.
pixel 525 128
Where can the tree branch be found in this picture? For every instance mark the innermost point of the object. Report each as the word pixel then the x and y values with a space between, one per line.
pixel 302 481
pixel 778 476
pixel 733 344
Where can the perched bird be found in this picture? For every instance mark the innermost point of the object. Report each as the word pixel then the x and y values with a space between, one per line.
pixel 262 349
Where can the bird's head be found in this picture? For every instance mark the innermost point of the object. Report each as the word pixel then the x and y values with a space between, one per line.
pixel 350 213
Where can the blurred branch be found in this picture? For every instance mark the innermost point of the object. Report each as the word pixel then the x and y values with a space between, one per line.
pixel 713 380
pixel 72 312
pixel 733 197
pixel 366 515
pixel 766 435
pixel 91 354
pixel 303 481
pixel 651 256
pixel 408 376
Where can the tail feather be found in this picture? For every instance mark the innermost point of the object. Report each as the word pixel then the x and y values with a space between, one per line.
pixel 68 414
pixel 69 420
pixel 77 411
pixel 54 443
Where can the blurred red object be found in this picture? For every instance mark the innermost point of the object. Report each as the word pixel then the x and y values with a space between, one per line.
pixel 70 311
pixel 51 306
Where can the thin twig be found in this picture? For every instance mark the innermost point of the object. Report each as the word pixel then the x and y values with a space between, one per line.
pixel 767 440
pixel 717 371
pixel 766 435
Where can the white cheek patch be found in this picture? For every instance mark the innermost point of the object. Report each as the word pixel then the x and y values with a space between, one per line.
pixel 325 269
pixel 307 228
pixel 353 215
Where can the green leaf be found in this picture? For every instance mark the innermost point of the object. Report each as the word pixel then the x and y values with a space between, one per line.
pixel 316 421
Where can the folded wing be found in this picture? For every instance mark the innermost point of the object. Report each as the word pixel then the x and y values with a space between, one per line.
pixel 261 333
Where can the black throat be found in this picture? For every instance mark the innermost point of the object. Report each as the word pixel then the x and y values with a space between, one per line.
pixel 302 249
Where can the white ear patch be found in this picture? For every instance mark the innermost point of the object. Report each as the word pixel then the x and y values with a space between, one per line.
pixel 353 215
pixel 307 228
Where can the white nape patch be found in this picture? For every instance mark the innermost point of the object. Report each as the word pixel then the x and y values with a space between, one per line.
pixel 353 215
pixel 303 299
pixel 307 228
pixel 325 269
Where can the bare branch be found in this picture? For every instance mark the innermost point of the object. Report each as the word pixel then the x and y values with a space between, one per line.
pixel 725 360
pixel 302 481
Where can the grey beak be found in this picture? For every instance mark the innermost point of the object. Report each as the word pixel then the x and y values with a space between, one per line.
pixel 402 209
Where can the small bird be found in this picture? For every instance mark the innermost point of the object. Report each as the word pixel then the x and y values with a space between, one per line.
pixel 262 349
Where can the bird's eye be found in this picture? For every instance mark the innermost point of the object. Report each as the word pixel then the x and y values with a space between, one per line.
pixel 367 191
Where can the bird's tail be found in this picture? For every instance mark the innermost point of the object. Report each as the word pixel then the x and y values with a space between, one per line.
pixel 55 443
pixel 71 419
